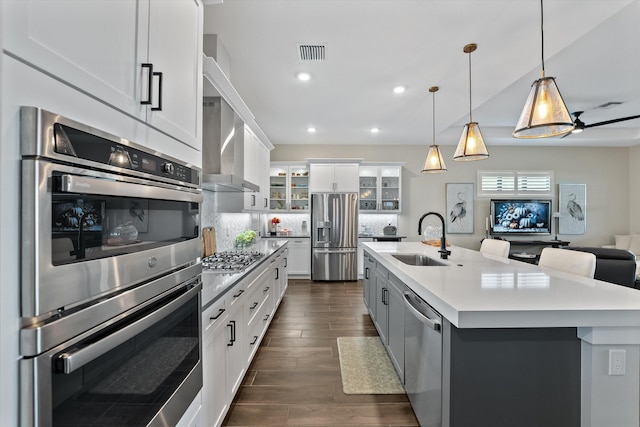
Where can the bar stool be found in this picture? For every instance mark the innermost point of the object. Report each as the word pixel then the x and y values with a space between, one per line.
pixel 574 262
pixel 495 247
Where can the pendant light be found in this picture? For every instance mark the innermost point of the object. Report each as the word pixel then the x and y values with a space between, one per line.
pixel 545 113
pixel 471 145
pixel 434 163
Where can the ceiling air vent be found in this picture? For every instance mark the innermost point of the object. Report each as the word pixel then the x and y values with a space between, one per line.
pixel 311 52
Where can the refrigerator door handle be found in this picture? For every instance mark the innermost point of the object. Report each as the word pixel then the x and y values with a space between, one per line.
pixel 334 250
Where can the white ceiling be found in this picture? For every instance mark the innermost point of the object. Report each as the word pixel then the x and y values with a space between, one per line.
pixel 591 47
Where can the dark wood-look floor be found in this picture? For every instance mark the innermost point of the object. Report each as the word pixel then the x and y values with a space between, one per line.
pixel 294 379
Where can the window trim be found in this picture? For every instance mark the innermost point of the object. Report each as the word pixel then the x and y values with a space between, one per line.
pixel 515 177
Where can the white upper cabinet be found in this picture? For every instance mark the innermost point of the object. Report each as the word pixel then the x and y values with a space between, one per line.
pixel 256 170
pixel 380 188
pixel 333 177
pixel 100 47
pixel 175 50
pixel 289 187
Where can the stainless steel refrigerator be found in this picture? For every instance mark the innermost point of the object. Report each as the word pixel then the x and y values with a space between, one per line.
pixel 334 236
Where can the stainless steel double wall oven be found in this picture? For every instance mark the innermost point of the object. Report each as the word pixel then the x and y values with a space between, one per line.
pixel 110 286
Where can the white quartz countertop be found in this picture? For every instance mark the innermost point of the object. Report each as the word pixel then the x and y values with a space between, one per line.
pixel 482 291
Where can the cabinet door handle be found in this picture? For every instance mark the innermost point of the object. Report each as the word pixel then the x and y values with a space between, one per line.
pixel 253 200
pixel 232 325
pixel 255 340
pixel 277 273
pixel 266 202
pixel 255 304
pixel 159 107
pixel 266 318
pixel 220 311
pixel 240 292
pixel 149 84
pixel 285 262
pixel 366 273
pixel 266 289
pixel 385 301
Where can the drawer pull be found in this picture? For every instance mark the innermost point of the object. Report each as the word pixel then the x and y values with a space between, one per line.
pixel 255 304
pixel 220 311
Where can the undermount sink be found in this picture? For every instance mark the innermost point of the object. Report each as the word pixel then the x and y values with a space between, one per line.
pixel 417 259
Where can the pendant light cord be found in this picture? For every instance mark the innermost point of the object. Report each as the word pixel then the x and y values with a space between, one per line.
pixel 542 35
pixel 470 118
pixel 434 117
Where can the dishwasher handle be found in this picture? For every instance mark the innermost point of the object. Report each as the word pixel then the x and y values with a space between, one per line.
pixel 433 320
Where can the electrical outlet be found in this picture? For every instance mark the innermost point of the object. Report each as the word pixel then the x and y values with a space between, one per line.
pixel 617 362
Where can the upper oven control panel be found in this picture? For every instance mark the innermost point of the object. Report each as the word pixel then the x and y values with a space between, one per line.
pixel 51 135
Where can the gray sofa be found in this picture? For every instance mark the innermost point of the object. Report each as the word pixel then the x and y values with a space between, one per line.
pixel 613 265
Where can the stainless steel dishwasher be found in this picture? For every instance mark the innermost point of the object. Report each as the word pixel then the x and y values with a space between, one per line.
pixel 423 359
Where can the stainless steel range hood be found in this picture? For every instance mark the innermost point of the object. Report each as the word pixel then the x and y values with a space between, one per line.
pixel 223 148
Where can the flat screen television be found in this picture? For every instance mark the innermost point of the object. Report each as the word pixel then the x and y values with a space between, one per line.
pixel 520 217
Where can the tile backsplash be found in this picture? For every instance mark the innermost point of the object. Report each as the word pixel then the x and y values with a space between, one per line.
pixel 229 225
pixel 374 223
pixel 292 222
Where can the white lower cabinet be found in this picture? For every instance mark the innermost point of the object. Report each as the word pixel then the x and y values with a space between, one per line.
pixel 280 276
pixel 258 302
pixel 214 369
pixel 299 259
pixel 283 273
pixel 233 327
pixel 235 359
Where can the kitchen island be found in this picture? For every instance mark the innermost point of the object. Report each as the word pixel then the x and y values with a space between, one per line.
pixel 501 301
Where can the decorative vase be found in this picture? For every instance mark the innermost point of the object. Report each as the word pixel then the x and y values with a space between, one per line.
pixel 273 229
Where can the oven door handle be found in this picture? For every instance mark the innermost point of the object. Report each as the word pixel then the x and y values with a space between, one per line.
pixel 98 186
pixel 74 360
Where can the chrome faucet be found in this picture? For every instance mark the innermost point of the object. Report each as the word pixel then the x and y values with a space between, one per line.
pixel 444 253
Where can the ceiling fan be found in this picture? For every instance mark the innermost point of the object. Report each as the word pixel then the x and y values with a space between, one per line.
pixel 580 125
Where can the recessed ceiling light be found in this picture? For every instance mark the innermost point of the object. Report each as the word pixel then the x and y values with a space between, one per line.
pixel 399 89
pixel 375 130
pixel 311 129
pixel 303 76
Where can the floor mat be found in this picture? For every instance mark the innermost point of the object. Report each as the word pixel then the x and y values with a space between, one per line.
pixel 366 368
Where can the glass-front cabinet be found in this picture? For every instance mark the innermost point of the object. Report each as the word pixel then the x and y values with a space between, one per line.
pixel 289 187
pixel 380 188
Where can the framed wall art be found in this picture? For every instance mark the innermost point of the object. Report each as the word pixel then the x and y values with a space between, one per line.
pixel 572 201
pixel 459 214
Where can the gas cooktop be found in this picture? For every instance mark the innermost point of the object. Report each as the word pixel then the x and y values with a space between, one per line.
pixel 230 261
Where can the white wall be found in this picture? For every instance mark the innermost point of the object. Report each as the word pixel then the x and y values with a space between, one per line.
pixel 9 199
pixel 634 194
pixel 605 171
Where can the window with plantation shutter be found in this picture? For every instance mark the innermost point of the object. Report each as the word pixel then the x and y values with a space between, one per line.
pixel 515 183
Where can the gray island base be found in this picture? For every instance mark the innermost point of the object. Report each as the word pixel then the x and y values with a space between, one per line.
pixel 520 345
